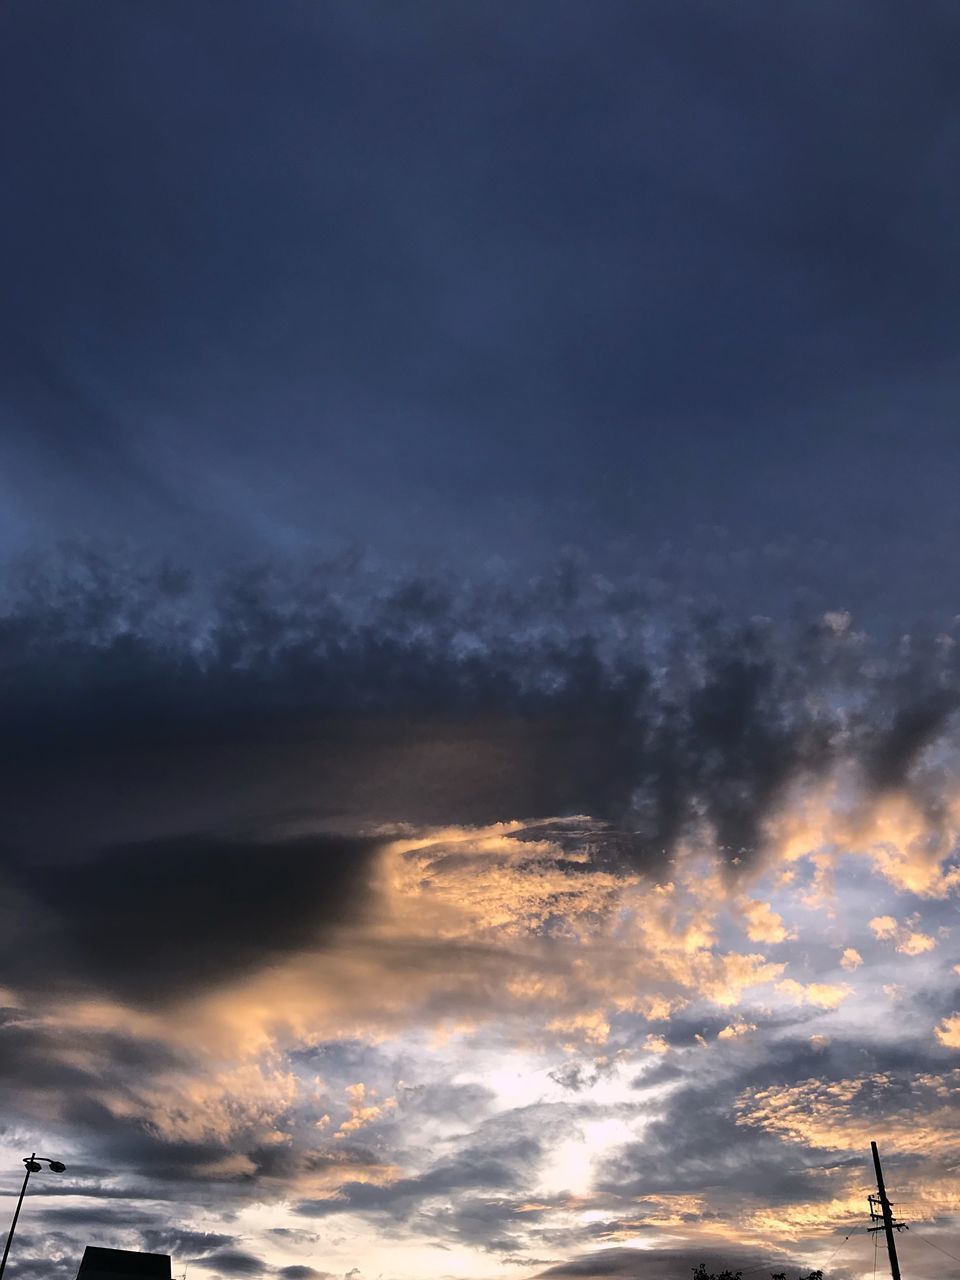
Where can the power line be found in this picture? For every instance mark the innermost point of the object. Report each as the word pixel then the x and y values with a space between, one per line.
pixel 840 1245
pixel 936 1246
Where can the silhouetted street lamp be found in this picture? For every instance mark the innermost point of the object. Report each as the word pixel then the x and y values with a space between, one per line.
pixel 33 1164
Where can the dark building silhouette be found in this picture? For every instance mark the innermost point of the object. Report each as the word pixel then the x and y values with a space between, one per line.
pixel 118 1264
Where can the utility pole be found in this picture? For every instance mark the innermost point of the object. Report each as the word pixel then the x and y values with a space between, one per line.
pixel 882 1212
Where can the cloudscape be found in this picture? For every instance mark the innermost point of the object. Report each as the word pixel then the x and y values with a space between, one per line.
pixel 479 668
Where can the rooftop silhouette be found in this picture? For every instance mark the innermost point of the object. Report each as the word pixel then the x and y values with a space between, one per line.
pixel 115 1264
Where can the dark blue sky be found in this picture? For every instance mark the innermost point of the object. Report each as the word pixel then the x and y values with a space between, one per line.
pixel 459 280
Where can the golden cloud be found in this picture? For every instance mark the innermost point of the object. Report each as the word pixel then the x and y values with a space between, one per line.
pixel 908 844
pixel 919 1116
pixel 825 995
pixel 948 1032
pixel 910 941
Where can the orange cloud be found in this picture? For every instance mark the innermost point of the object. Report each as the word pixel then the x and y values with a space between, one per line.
pixel 824 995
pixel 735 1029
pixel 909 940
pixel 845 1115
pixel 364 1110
pixel 763 923
pixel 907 844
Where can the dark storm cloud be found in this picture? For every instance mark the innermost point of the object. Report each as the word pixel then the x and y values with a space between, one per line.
pixel 84 1058
pixel 192 910
pixel 147 705
pixel 96 1218
pixel 914 726
pixel 234 1262
pixel 180 1243
pixel 490 277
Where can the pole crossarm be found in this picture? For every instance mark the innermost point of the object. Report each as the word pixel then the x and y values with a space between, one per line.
pixel 881 1212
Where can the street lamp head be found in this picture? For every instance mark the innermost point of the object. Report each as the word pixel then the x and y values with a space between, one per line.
pixel 33 1165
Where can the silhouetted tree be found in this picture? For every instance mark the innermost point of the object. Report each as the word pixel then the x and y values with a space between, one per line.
pixel 700 1272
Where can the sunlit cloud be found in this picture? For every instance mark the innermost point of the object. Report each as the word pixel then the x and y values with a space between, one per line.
pixel 908 845
pixel 948 1032
pixel 909 940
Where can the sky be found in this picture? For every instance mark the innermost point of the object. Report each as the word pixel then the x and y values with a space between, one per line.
pixel 479 680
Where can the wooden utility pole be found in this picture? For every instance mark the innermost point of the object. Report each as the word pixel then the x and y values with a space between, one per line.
pixel 881 1212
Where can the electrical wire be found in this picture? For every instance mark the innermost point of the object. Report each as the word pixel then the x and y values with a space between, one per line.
pixel 840 1246
pixel 763 1266
pixel 936 1246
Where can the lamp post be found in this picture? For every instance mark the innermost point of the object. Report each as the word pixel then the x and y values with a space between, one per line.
pixel 33 1164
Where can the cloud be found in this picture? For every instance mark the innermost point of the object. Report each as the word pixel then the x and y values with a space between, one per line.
pixel 735 1029
pixel 279 691
pixel 180 1242
pixel 908 836
pixel 763 923
pixel 909 940
pixel 919 1112
pixel 421 705
pixel 364 1109
pixel 491 1160
pixel 234 1262
pixel 191 910
pixel 948 1032
pixel 312 939
pixel 751 1173
pixel 825 995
